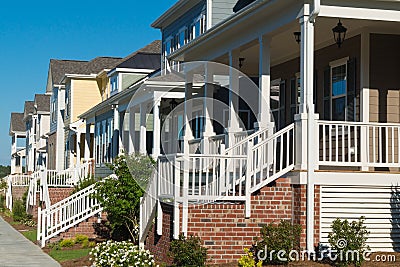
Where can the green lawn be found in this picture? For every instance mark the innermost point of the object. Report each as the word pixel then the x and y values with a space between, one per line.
pixel 31 235
pixel 66 255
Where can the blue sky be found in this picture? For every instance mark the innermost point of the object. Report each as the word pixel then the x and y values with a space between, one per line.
pixel 33 32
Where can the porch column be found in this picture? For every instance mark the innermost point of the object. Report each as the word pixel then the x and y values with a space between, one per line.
pixel 116 132
pixel 156 128
pixel 132 129
pixel 208 107
pixel 306 144
pixel 365 62
pixel 264 114
pixel 143 130
pixel 188 111
pixel 233 123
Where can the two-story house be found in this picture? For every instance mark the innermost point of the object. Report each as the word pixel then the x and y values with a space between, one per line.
pixel 326 112
pixel 108 117
pixel 56 141
pixel 82 92
pixel 18 142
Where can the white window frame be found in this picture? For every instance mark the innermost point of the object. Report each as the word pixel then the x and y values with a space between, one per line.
pixel 332 65
pixel 185 31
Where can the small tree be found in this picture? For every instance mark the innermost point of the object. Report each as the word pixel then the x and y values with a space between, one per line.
pixel 349 239
pixel 120 197
pixel 188 251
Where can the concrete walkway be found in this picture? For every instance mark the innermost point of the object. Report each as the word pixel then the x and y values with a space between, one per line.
pixel 16 250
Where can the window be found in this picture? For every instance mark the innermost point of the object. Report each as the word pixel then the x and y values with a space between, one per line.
pixel 197 124
pixel 53 107
pixel 114 83
pixel 277 102
pixel 244 119
pixel 103 138
pixel 339 90
pixel 199 26
pixel 295 88
pixel 182 37
pixel 67 102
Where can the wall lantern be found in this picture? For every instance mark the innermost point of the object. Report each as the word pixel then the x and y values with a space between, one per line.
pixel 297 36
pixel 339 33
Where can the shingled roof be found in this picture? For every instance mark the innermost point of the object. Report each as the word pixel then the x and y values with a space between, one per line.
pixel 59 67
pixel 42 102
pixel 29 108
pixel 17 123
pixel 147 57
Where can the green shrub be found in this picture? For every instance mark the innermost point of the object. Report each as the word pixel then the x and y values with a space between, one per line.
pixel 188 251
pixel 122 254
pixel 347 238
pixel 86 182
pixel 19 211
pixel 248 260
pixel 79 239
pixel 2 203
pixel 283 236
pixel 67 243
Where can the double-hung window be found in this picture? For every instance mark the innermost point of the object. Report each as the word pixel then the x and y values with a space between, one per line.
pixel 339 90
pixel 182 37
pixel 277 102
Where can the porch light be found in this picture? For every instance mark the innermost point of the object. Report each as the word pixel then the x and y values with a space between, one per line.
pixel 173 104
pixel 339 33
pixel 297 36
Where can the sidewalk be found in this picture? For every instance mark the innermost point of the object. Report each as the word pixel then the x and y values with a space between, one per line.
pixel 16 250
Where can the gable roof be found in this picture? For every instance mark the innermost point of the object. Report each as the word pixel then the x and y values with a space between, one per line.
pixel 42 103
pixel 58 68
pixel 97 64
pixel 147 57
pixel 29 108
pixel 17 123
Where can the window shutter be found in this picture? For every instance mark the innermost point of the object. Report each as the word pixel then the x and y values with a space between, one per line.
pixel 282 104
pixel 327 94
pixel 351 90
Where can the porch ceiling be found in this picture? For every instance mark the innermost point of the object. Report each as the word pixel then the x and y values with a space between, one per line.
pixel 284 46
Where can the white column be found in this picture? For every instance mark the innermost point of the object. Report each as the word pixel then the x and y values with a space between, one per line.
pixel 307 118
pixel 264 115
pixel 208 107
pixel 132 129
pixel 116 133
pixel 188 111
pixel 143 130
pixel 156 129
pixel 78 148
pixel 233 124
pixel 365 61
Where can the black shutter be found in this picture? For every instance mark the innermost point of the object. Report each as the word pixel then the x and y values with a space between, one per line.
pixel 327 94
pixel 351 90
pixel 282 104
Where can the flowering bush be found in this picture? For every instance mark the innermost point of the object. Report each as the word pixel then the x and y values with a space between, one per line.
pixel 121 254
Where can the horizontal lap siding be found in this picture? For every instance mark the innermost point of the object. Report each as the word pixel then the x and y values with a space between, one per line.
pixel 379 205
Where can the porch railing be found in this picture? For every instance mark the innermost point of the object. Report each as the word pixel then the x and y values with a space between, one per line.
pixel 358 144
pixel 215 143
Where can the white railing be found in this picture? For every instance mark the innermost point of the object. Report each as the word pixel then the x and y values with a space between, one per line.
pixel 44 189
pixel 241 146
pixel 20 179
pixel 195 146
pixel 148 205
pixel 358 144
pixel 215 143
pixel 271 158
pixel 67 213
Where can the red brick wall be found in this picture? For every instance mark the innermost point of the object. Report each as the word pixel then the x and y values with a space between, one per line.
pixel 18 192
pixel 159 245
pixel 224 229
pixel 57 194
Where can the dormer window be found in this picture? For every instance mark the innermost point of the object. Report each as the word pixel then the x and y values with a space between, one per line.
pixel 114 83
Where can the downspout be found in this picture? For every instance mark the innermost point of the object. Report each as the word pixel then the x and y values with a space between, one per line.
pixel 310 139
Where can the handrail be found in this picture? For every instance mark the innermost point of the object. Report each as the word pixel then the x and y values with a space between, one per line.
pixel 244 141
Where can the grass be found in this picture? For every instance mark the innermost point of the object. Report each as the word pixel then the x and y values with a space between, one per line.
pixel 66 255
pixel 31 235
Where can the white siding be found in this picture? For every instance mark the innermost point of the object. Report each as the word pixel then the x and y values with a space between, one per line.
pixel 379 205
pixel 221 9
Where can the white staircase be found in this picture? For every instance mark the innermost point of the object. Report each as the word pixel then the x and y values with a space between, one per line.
pixel 231 175
pixel 65 214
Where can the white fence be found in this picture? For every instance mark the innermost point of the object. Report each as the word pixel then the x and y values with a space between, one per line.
pixel 67 213
pixel 358 144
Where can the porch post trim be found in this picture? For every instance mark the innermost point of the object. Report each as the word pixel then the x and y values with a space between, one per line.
pixel 143 130
pixel 264 115
pixel 156 128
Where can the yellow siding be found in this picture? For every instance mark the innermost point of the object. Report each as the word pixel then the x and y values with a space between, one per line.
pixel 85 95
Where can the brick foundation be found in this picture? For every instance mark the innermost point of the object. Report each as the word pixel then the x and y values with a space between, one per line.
pixel 83 228
pixel 224 229
pixel 18 192
pixel 57 194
